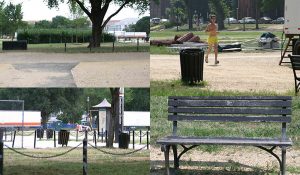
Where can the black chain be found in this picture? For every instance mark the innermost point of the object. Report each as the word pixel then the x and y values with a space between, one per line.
pixel 117 154
pixel 42 157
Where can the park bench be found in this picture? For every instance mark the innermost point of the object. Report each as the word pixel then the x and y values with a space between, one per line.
pixel 227 109
pixel 295 60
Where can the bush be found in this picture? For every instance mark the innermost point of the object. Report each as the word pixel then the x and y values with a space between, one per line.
pixel 169 24
pixel 37 36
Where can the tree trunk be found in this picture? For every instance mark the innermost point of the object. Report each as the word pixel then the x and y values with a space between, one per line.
pixel 114 116
pixel 96 34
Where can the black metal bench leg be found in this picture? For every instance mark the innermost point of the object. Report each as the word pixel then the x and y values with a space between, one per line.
pixel 176 161
pixel 166 150
pixel 283 160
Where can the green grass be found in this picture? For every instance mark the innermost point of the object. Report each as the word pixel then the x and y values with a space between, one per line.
pixel 98 163
pixel 82 48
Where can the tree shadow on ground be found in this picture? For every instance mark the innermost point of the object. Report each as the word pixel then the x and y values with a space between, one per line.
pixel 208 168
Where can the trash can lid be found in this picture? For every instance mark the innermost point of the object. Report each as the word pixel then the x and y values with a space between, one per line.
pixel 192 50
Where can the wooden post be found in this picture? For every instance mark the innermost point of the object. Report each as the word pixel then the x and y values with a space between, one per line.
pixel 34 144
pixel 1 157
pixel 13 144
pixel 54 138
pixel 85 165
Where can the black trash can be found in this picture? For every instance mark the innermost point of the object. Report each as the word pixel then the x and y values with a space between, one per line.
pixel 14 45
pixel 124 140
pixel 63 137
pixel 49 133
pixel 40 133
pixel 191 63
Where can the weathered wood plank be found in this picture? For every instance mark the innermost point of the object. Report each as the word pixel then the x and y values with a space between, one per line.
pixel 228 103
pixel 224 141
pixel 217 110
pixel 282 119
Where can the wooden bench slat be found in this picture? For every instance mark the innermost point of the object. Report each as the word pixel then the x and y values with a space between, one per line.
pixel 213 118
pixel 232 97
pixel 224 141
pixel 205 110
pixel 228 103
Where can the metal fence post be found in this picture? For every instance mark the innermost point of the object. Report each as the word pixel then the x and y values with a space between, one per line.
pixel 140 136
pixel 76 135
pixel 133 133
pixel 54 138
pixel 147 139
pixel 102 134
pixel 85 165
pixel 13 144
pixel 34 144
pixel 95 138
pixel 1 157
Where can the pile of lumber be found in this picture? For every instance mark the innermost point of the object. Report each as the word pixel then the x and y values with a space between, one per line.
pixel 188 37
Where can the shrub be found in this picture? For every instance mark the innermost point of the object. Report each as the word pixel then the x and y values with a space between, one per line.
pixel 37 36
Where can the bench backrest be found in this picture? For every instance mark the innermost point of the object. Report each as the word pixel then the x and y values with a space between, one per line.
pixel 230 109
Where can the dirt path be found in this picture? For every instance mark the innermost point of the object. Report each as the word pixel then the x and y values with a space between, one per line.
pixel 25 69
pixel 236 71
pixel 244 158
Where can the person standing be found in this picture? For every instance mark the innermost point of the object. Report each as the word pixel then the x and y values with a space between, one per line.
pixel 212 30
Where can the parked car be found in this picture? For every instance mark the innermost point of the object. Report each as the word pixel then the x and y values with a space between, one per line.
pixel 248 20
pixel 230 20
pixel 155 20
pixel 265 20
pixel 279 20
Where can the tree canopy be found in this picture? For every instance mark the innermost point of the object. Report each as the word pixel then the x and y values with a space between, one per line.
pixel 96 10
pixel 72 102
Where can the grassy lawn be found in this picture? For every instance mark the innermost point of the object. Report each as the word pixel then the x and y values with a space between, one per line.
pixel 82 48
pixel 233 34
pixel 71 163
pixel 161 127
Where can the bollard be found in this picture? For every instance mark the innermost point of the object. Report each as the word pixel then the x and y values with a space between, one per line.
pixel 140 136
pixel 54 138
pixel 133 133
pixel 13 144
pixel 65 47
pixel 147 139
pixel 113 46
pixel 34 143
pixel 1 157
pixel 84 151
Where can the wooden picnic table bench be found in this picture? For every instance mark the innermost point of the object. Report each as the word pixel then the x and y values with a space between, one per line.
pixel 295 60
pixel 227 109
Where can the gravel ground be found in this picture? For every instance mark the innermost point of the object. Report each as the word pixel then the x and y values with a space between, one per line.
pixel 247 158
pixel 25 69
pixel 236 71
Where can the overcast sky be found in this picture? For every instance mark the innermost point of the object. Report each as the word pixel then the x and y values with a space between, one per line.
pixel 34 10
